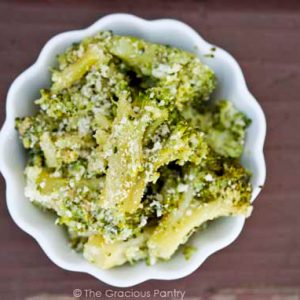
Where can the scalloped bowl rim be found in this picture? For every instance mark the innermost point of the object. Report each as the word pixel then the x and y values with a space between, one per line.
pixel 145 273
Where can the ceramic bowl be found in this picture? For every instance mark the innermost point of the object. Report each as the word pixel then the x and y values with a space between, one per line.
pixel 40 225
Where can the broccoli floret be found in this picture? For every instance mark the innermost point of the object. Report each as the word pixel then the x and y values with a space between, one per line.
pixel 179 72
pixel 224 126
pixel 32 128
pixel 195 197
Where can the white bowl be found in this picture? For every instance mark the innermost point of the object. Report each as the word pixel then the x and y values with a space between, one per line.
pixel 40 225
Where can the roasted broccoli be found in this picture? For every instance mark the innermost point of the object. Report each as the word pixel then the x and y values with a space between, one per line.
pixel 129 153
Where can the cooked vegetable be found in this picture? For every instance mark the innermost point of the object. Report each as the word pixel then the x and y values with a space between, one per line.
pixel 108 255
pixel 74 72
pixel 224 125
pixel 129 153
pixel 201 195
pixel 181 72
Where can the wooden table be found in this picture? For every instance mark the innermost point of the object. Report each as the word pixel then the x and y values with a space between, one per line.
pixel 264 36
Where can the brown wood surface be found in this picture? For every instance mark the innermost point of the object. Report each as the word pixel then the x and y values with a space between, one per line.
pixel 264 36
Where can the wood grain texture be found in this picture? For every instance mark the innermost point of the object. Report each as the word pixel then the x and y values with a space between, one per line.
pixel 264 36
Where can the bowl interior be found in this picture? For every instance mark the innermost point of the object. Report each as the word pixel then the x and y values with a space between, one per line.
pixel 41 225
